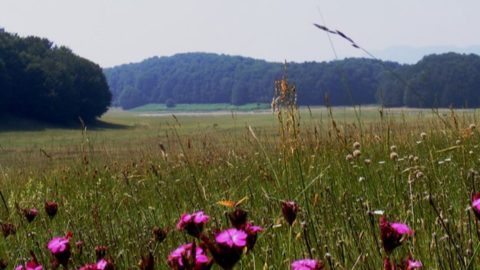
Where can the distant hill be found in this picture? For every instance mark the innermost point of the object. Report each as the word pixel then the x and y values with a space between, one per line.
pixel 212 78
pixel 411 55
pixel 437 80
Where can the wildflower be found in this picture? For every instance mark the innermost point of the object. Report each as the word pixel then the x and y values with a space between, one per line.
pixel 183 259
pixel 393 234
pixel 232 238
pixel 307 264
pixel 472 126
pixel 367 161
pixel 356 153
pixel 289 211
pixel 104 265
pixel 387 265
pixel 407 264
pixel 423 135
pixel 8 229
pixel 30 214
pixel 412 264
pixel 228 247
pixel 51 208
pixel 476 204
pixel 100 265
pixel 356 145
pixel 60 249
pixel 238 218
pixel 252 232
pixel 349 157
pixel 159 234
pixel 30 265
pixel 393 156
pixel 100 252
pixel 147 263
pixel 193 223
pixel 393 148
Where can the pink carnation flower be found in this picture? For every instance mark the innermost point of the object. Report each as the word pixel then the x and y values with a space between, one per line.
pixel 193 223
pixel 306 264
pixel 401 228
pixel 412 264
pixel 100 265
pixel 232 238
pixel 183 254
pixel 58 245
pixel 30 265
pixel 392 234
pixel 197 218
pixel 476 204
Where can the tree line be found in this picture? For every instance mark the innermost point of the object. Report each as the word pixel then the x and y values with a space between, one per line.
pixel 435 81
pixel 39 80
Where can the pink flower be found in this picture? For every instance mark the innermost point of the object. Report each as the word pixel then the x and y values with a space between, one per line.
pixel 476 204
pixel 392 234
pixel 238 218
pixel 58 244
pixel 181 258
pixel 412 264
pixel 252 232
pixel 60 249
pixel 232 238
pixel 30 265
pixel 401 228
pixel 307 264
pixel 289 211
pixel 88 267
pixel 193 223
pixel 30 214
pixel 51 208
pixel 100 265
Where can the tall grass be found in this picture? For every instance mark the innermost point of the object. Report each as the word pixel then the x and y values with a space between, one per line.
pixel 114 188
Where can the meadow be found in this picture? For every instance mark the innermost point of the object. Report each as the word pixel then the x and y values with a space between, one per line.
pixel 121 187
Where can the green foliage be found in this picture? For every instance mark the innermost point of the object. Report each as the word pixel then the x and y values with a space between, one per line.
pixel 41 81
pixel 436 81
pixel 210 78
pixel 447 80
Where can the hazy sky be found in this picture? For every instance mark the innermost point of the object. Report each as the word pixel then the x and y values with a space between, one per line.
pixel 112 32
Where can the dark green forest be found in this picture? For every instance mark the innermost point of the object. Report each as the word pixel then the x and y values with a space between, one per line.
pixel 41 81
pixel 435 81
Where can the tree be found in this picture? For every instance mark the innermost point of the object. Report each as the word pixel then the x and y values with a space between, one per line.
pixel 41 81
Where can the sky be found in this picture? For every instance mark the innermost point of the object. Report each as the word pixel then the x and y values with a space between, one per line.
pixel 113 32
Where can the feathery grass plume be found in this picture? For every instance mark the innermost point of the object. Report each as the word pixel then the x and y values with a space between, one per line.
pixel 284 104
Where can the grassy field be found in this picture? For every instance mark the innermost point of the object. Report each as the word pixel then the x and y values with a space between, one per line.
pixel 115 183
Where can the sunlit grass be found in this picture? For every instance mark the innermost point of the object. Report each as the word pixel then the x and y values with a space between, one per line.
pixel 114 186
